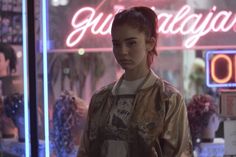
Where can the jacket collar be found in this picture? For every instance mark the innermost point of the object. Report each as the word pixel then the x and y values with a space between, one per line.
pixel 151 81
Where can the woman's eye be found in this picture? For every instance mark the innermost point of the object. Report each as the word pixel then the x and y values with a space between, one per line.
pixel 131 43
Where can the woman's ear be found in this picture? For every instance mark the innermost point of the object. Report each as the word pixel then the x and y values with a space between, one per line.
pixel 151 42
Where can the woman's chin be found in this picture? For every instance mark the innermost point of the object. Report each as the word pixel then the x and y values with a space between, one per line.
pixel 126 67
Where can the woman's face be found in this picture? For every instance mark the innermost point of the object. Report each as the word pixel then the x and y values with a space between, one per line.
pixel 130 47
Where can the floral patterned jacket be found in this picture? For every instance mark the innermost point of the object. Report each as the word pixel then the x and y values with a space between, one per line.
pixel 159 124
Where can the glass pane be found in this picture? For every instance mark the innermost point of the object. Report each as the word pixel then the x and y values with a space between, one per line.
pixel 77 42
pixel 13 141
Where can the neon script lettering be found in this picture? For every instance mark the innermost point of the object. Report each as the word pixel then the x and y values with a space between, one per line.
pixel 184 22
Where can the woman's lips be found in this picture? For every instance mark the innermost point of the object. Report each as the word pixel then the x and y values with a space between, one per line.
pixel 125 61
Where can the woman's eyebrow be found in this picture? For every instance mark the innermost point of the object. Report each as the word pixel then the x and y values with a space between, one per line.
pixel 126 39
pixel 131 38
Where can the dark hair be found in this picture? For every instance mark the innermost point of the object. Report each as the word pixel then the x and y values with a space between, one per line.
pixel 10 55
pixel 14 106
pixel 65 118
pixel 200 109
pixel 142 18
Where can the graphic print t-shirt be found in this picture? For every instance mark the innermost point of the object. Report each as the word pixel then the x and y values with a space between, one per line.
pixel 116 143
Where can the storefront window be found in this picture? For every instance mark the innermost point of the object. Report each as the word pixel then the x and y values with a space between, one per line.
pixel 74 59
pixel 80 59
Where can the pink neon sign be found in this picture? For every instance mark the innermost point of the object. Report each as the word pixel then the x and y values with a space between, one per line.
pixel 184 22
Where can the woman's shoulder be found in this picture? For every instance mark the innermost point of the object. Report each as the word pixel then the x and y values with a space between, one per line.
pixel 104 89
pixel 102 93
pixel 168 89
pixel 166 86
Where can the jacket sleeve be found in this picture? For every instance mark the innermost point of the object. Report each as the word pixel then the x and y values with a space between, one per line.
pixel 84 142
pixel 175 140
pixel 88 142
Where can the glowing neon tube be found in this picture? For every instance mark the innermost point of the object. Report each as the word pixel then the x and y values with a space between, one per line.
pixel 45 77
pixel 25 78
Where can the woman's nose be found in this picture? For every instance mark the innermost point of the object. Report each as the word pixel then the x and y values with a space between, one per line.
pixel 124 50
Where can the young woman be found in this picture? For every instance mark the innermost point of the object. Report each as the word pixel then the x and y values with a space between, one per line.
pixel 140 114
pixel 204 122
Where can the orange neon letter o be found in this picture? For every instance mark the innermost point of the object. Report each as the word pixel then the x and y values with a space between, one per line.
pixel 213 62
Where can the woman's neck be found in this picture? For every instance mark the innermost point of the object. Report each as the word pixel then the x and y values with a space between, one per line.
pixel 135 74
